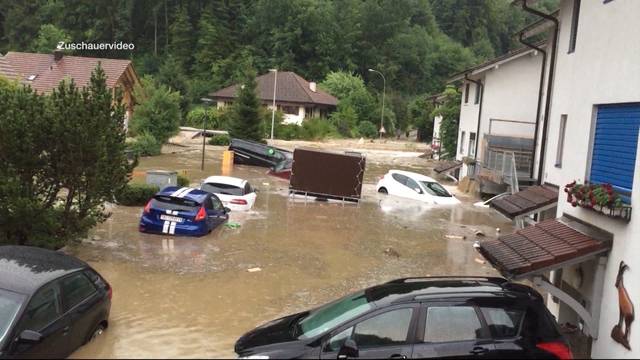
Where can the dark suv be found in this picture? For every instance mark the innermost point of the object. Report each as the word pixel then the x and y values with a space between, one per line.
pixel 50 303
pixel 417 318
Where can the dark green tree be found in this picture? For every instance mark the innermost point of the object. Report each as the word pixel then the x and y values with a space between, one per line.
pixel 181 38
pixel 246 121
pixel 450 112
pixel 157 111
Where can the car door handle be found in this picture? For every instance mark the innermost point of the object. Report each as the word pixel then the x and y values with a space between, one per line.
pixel 397 356
pixel 65 330
pixel 478 350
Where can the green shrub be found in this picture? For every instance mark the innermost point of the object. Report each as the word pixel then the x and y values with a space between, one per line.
pixel 145 145
pixel 367 129
pixel 318 129
pixel 136 194
pixel 183 181
pixel 288 131
pixel 220 140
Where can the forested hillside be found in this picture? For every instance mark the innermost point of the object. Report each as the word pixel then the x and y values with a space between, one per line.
pixel 196 46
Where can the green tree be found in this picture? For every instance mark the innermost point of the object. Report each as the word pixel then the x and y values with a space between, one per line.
pixel 172 75
pixel 351 92
pixel 246 120
pixel 157 111
pixel 63 158
pixel 345 120
pixel 450 112
pixel 48 38
pixel 181 40
pixel 419 112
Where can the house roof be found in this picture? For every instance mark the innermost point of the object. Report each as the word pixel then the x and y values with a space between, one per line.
pixel 46 72
pixel 291 87
pixel 548 245
pixel 487 65
pixel 444 166
pixel 525 201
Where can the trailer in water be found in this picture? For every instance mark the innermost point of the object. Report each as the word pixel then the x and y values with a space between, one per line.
pixel 327 175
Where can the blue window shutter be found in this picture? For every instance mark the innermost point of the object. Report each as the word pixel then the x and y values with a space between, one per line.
pixel 615 145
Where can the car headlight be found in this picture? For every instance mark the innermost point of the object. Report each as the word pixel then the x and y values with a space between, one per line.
pixel 254 357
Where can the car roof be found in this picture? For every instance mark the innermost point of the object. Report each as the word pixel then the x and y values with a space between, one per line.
pixel 417 289
pixel 229 180
pixel 413 175
pixel 24 269
pixel 194 194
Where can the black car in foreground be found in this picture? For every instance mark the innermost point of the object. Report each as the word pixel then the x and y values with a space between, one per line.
pixel 50 303
pixel 417 318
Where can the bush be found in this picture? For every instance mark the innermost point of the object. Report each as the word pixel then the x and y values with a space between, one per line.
pixel 344 120
pixel 318 129
pixel 288 131
pixel 367 129
pixel 220 140
pixel 183 181
pixel 157 110
pixel 146 145
pixel 136 194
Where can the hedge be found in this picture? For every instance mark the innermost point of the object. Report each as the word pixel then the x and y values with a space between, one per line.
pixel 136 194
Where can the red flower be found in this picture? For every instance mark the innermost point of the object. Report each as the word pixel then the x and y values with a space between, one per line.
pixel 574 203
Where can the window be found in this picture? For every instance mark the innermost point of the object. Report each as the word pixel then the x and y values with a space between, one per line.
pixel 472 144
pixel 451 323
pixel 308 112
pixel 10 303
pixel 291 110
pixel 466 93
pixel 413 185
pixel 574 26
pixel 42 310
pixel 435 189
pixel 247 188
pixel 332 314
pixel 559 150
pixel 223 189
pixel 336 342
pixel 390 328
pixel 75 289
pixel 216 203
pixel 478 93
pixel 503 323
pixel 462 143
pixel 399 178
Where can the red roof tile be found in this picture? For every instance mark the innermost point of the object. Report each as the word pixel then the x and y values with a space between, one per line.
pixel 548 243
pixel 290 88
pixel 49 72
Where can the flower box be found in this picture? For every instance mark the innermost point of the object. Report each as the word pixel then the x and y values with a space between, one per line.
pixel 601 198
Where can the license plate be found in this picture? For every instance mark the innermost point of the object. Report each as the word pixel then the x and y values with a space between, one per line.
pixel 171 218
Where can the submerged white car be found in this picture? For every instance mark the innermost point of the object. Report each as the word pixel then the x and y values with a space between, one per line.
pixel 235 193
pixel 415 186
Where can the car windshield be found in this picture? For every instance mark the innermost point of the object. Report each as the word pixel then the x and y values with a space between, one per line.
pixel 435 189
pixel 325 318
pixel 224 189
pixel 9 305
pixel 163 202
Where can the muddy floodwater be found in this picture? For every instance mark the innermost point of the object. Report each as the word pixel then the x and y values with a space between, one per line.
pixel 193 297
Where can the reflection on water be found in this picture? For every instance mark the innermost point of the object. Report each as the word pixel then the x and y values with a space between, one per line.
pixel 193 297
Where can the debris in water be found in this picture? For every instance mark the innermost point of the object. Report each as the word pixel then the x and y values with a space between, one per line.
pixel 232 225
pixel 480 261
pixel 457 237
pixel 265 183
pixel 391 252
pixel 498 230
pixel 479 233
pixel 255 269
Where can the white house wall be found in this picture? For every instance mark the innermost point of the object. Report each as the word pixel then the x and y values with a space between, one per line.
pixel 604 69
pixel 468 123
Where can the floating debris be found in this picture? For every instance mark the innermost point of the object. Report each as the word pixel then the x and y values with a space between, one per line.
pixel 480 261
pixel 457 237
pixel 479 233
pixel 255 269
pixel 232 225
pixel 391 252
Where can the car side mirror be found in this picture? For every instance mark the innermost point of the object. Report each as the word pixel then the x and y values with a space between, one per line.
pixel 418 190
pixel 227 210
pixel 349 350
pixel 30 336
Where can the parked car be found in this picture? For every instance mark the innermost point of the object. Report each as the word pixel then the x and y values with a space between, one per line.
pixel 235 193
pixel 415 186
pixel 183 211
pixel 50 303
pixel 254 153
pixel 417 318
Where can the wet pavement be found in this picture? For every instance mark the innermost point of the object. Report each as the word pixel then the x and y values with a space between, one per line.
pixel 193 297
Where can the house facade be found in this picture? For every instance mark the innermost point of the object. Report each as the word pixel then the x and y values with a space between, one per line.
pixel 497 116
pixel 584 255
pixel 296 97
pixel 44 72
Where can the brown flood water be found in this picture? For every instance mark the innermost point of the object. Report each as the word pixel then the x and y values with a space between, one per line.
pixel 193 297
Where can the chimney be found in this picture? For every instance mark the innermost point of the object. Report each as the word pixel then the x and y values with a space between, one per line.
pixel 312 86
pixel 57 54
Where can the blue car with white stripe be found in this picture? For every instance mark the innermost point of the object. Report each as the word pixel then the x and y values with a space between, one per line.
pixel 183 211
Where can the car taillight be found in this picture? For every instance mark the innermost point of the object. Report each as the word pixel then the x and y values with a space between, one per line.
pixel 201 214
pixel 147 207
pixel 557 348
pixel 110 293
pixel 239 201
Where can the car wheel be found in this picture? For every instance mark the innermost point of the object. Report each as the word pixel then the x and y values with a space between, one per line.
pixel 99 330
pixel 383 191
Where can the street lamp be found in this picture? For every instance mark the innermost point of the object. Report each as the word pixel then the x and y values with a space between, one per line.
pixel 206 102
pixel 273 106
pixel 384 86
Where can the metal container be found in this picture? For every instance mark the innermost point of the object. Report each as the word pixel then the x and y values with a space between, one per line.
pixel 162 178
pixel 326 174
